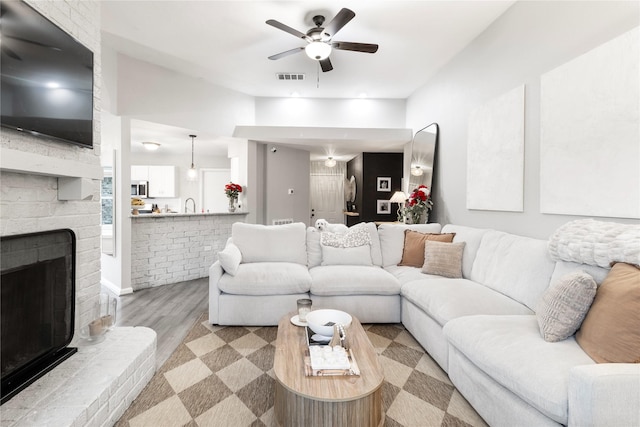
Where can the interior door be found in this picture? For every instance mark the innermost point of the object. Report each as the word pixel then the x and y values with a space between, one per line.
pixel 327 198
pixel 213 196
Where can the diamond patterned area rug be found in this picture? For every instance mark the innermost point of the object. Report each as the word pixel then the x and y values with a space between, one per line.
pixel 223 376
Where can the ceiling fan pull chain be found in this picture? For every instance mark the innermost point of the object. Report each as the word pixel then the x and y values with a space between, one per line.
pixel 318 76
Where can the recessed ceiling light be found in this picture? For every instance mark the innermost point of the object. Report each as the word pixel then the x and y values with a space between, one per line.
pixel 151 146
pixel 53 85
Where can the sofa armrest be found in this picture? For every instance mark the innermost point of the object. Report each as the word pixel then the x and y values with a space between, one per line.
pixel 215 273
pixel 606 394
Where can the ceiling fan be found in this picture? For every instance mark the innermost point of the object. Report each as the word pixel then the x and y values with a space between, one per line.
pixel 320 39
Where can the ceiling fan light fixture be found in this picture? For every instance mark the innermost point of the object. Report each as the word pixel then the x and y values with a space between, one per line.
pixel 151 146
pixel 330 162
pixel 318 50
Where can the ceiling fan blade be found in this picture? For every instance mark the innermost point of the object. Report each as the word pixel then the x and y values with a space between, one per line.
pixel 356 47
pixel 340 20
pixel 286 53
pixel 288 29
pixel 325 64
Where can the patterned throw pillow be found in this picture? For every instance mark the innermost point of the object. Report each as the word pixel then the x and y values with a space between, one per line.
pixel 443 259
pixel 353 238
pixel 564 305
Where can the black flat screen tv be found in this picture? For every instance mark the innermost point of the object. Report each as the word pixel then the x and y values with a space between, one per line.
pixel 47 77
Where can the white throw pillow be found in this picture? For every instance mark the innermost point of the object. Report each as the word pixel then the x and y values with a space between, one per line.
pixel 359 255
pixel 271 243
pixel 230 259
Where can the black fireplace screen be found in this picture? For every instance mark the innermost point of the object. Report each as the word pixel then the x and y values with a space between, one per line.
pixel 37 297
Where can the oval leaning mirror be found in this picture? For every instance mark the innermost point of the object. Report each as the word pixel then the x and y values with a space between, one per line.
pixel 423 150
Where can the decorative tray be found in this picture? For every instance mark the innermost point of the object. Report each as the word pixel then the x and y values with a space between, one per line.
pixel 321 360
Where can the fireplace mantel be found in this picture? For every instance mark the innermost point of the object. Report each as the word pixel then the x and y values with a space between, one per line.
pixel 74 177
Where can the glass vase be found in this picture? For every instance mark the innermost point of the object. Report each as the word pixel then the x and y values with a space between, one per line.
pixel 232 204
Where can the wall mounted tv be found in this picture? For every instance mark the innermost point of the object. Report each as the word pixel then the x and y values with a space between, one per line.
pixel 47 77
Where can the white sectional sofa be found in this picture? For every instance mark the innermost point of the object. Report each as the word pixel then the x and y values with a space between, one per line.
pixel 481 328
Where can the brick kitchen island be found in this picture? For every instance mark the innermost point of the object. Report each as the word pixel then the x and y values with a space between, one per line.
pixel 172 248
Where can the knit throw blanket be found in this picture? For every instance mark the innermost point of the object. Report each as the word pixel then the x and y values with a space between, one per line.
pixel 587 241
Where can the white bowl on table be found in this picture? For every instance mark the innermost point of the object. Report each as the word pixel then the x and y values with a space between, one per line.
pixel 318 319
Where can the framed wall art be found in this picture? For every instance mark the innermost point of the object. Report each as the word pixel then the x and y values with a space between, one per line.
pixel 384 184
pixel 384 207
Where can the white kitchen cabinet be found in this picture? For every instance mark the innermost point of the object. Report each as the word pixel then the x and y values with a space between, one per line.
pixel 139 173
pixel 162 181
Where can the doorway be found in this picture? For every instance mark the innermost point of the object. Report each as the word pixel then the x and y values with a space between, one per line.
pixel 213 196
pixel 327 193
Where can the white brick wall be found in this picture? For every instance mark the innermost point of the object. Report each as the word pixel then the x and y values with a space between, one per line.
pixel 171 249
pixel 29 203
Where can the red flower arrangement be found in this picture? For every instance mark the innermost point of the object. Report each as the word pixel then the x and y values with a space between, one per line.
pixel 232 190
pixel 418 203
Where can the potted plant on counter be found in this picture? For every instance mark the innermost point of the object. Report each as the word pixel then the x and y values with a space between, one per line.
pixel 232 191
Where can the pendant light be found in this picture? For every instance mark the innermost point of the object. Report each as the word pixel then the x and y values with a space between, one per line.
pixel 330 162
pixel 192 173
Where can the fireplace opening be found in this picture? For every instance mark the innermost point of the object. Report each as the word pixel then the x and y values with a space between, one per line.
pixel 37 298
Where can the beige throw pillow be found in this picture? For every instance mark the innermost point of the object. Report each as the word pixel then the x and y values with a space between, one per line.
pixel 564 305
pixel 443 259
pixel 610 333
pixel 413 251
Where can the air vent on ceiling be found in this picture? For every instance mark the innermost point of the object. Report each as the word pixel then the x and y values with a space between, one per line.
pixel 290 76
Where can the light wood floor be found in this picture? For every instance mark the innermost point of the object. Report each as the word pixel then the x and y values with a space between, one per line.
pixel 170 310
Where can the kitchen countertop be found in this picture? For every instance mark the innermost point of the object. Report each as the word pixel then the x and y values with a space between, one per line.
pixel 175 215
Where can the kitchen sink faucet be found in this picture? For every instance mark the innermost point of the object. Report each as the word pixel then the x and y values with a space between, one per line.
pixel 186 202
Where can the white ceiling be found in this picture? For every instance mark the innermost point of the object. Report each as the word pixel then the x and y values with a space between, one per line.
pixel 228 42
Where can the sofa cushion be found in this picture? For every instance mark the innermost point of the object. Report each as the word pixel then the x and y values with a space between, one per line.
pixel 443 259
pixel 267 278
pixel 413 250
pixel 408 274
pixel 472 237
pixel 314 249
pixel 516 266
pixel 610 332
pixel 509 350
pixel 564 304
pixel 446 299
pixel 230 258
pixel 352 280
pixel 271 243
pixel 562 268
pixel 376 251
pixel 392 239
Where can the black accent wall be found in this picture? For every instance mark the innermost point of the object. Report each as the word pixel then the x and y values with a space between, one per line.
pixel 366 168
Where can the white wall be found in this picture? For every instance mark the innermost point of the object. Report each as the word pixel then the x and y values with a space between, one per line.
pixel 363 113
pixel 157 94
pixel 528 40
pixel 285 169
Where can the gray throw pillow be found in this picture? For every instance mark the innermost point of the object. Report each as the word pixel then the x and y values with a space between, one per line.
pixel 564 305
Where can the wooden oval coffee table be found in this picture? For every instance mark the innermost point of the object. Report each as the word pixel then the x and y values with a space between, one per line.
pixel 326 400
